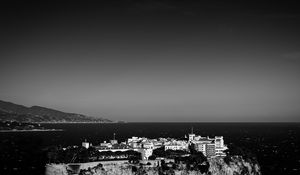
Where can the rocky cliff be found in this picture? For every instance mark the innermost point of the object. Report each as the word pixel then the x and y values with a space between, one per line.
pixel 235 165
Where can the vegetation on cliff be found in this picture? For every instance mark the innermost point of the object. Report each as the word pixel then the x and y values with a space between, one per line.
pixel 171 154
pixel 237 151
pixel 214 166
pixel 235 166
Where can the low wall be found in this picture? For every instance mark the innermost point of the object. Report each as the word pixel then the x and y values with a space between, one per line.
pixel 115 166
pixel 56 169
pixel 109 166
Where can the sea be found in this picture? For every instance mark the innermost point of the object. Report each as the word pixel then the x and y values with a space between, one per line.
pixel 276 145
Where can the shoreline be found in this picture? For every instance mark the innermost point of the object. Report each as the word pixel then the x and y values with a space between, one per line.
pixel 72 122
pixel 32 130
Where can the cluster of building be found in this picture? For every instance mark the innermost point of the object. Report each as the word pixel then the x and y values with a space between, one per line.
pixel 210 147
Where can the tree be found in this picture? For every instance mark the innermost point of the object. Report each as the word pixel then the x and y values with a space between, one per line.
pixel 159 152
pixel 152 157
pixel 192 148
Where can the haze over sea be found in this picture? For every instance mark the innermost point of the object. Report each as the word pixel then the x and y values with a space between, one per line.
pixel 276 145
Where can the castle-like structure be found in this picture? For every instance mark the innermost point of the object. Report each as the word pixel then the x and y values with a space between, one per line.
pixel 210 147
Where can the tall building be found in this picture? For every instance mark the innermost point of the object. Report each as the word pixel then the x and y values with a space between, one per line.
pixel 201 147
pixel 192 135
pixel 210 150
pixel 220 147
pixel 219 141
pixel 114 141
pixel 210 147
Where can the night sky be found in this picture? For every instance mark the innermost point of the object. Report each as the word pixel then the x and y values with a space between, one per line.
pixel 157 61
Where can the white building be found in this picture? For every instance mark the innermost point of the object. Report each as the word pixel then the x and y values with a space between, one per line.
pixel 208 146
pixel 176 145
pixel 219 141
pixel 148 145
pixel 114 141
pixel 136 139
pixel 105 144
pixel 85 144
pixel 192 136
pixel 113 148
pixel 201 147
pixel 220 146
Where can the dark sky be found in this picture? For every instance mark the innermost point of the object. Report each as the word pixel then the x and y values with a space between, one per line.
pixel 149 60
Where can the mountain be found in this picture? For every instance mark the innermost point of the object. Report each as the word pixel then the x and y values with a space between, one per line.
pixel 15 112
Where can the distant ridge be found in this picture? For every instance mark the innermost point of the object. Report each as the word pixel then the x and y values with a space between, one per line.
pixel 14 112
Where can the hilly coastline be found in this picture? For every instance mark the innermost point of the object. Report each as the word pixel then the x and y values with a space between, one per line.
pixel 38 114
